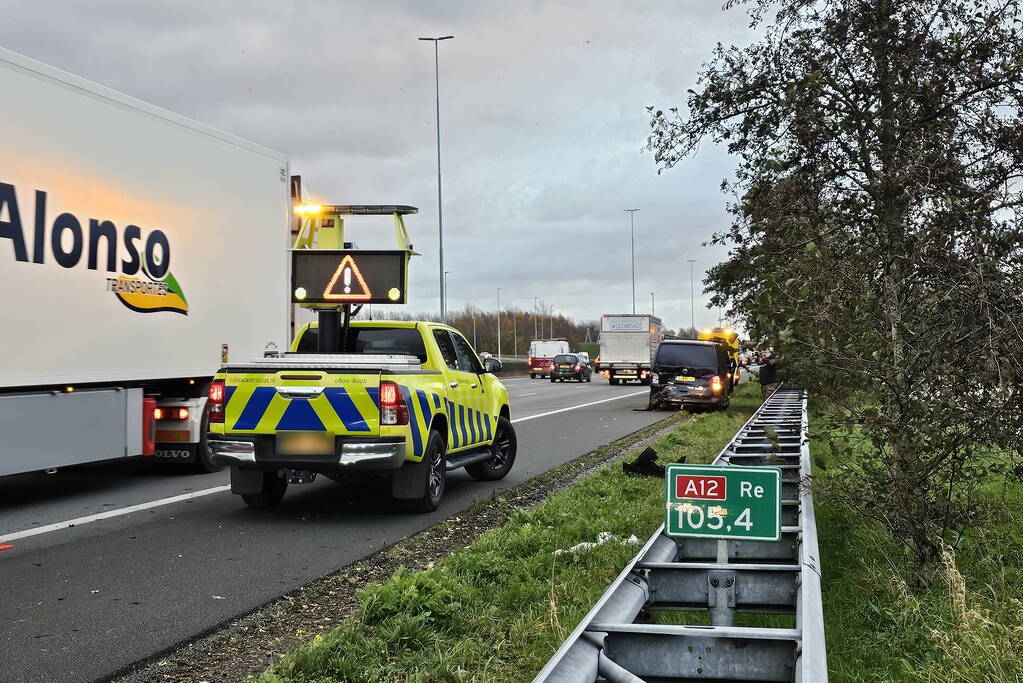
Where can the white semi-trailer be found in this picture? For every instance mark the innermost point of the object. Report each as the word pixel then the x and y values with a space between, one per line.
pixel 627 343
pixel 138 251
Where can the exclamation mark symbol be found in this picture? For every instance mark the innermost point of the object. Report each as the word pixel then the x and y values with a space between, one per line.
pixel 348 280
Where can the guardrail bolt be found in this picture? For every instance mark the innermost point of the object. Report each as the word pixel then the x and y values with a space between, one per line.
pixel 728 581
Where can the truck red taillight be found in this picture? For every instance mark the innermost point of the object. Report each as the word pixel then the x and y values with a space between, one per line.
pixel 393 410
pixel 171 413
pixel 578 367
pixel 215 402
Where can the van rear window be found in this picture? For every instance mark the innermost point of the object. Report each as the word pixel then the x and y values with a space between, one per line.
pixel 686 355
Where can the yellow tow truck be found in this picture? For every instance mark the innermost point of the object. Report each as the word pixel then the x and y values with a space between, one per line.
pixel 409 400
pixel 727 337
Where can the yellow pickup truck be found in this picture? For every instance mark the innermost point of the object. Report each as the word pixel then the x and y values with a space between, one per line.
pixel 408 400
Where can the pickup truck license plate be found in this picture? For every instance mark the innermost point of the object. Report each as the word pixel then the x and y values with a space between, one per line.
pixel 302 443
pixel 685 378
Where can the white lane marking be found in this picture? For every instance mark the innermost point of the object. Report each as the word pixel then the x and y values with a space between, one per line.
pixel 111 513
pixel 108 514
pixel 581 405
pixel 531 394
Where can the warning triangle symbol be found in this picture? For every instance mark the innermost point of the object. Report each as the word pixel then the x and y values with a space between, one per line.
pixel 347 283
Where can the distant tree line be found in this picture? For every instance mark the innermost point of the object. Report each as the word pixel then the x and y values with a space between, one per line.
pixel 518 328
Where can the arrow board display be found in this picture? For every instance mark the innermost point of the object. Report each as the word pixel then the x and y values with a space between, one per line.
pixel 335 276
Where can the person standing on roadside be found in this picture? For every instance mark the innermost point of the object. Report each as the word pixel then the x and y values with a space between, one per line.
pixel 769 376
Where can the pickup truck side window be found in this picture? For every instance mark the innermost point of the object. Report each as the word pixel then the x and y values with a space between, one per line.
pixel 468 361
pixel 447 349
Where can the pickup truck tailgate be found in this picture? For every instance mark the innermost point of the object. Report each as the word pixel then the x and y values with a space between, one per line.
pixel 290 400
pixel 307 394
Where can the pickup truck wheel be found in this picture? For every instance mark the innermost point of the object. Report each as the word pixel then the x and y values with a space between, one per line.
pixel 436 475
pixel 613 382
pixel 273 490
pixel 532 375
pixel 502 454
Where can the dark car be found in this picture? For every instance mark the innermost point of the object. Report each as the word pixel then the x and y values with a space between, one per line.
pixel 570 366
pixel 691 373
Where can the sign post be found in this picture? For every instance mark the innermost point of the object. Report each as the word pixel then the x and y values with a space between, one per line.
pixel 724 502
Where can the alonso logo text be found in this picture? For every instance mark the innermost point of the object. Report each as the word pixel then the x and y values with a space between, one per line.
pixel 143 283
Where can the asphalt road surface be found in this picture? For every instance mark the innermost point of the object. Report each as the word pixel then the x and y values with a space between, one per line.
pixel 105 570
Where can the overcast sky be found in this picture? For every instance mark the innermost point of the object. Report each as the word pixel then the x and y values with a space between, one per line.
pixel 543 124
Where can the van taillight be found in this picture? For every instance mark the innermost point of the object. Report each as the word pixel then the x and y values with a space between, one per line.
pixel 715 383
pixel 393 410
pixel 215 402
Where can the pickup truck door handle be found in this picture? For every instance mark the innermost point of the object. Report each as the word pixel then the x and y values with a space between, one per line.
pixel 453 385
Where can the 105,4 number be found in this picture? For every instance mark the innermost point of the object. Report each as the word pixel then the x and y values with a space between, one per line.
pixel 695 518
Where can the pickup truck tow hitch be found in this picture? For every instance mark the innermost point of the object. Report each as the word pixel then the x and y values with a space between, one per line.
pixel 300 476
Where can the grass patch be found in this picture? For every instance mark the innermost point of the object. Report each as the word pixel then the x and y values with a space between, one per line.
pixel 966 626
pixel 497 609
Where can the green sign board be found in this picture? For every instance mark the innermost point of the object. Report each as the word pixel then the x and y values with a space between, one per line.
pixel 715 501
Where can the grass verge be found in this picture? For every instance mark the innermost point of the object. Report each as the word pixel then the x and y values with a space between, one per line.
pixel 497 609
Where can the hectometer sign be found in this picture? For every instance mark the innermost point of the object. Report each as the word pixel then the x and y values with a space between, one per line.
pixel 713 501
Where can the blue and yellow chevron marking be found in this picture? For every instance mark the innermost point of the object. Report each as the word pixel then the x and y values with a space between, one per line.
pixel 424 405
pixel 471 414
pixel 300 416
pixel 413 423
pixel 337 409
pixel 461 423
pixel 453 424
pixel 345 408
pixel 256 404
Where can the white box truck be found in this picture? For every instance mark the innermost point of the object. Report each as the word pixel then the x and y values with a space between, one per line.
pixel 138 250
pixel 627 343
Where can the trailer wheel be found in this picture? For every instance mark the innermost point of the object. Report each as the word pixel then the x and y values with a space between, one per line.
pixel 503 454
pixel 272 493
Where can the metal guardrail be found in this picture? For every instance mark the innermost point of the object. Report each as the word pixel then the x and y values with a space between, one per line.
pixel 619 639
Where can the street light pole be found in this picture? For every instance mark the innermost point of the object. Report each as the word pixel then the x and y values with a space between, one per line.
pixel 498 323
pixel 440 211
pixel 632 232
pixel 552 321
pixel 692 299
pixel 444 291
pixel 536 310
pixel 651 303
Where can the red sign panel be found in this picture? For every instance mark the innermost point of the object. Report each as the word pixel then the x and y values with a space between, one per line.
pixel 699 487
